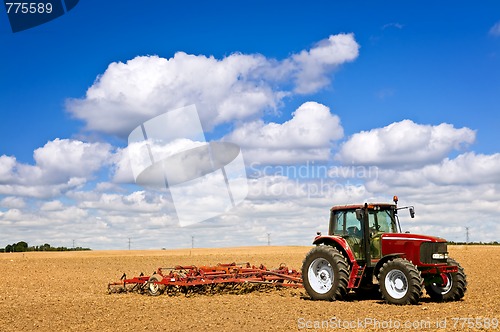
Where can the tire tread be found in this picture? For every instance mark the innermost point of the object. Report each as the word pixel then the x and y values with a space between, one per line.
pixel 415 281
pixel 342 279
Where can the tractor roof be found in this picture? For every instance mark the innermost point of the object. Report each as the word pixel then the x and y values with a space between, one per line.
pixel 360 206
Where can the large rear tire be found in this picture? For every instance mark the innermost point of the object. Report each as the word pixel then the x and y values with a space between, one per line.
pixel 453 287
pixel 325 274
pixel 400 282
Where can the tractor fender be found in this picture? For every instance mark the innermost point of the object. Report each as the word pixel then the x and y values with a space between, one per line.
pixel 339 243
pixel 385 259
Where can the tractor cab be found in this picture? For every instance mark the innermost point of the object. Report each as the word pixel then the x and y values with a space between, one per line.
pixel 349 222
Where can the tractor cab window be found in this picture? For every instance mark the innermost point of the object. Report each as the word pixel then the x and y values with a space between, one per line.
pixel 346 223
pixel 381 221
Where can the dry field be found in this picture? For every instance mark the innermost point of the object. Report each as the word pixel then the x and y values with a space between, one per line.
pixel 67 291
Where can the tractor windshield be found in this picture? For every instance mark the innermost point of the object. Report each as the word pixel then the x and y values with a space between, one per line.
pixel 382 221
pixel 344 223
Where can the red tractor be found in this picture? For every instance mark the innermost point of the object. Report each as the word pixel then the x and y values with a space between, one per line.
pixel 365 250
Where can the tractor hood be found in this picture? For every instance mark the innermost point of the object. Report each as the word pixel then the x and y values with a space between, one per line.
pixel 411 237
pixel 416 247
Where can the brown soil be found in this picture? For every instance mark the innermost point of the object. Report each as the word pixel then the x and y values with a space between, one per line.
pixel 67 291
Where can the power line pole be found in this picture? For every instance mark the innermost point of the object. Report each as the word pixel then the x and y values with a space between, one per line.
pixel 73 244
pixel 128 243
pixel 466 235
pixel 192 241
pixel 268 239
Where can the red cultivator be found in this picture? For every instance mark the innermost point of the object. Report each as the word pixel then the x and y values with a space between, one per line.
pixel 188 280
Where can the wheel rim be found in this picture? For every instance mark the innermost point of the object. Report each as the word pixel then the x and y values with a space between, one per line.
pixel 396 284
pixel 153 288
pixel 446 287
pixel 320 275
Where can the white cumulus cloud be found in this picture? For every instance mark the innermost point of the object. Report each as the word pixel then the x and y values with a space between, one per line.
pixel 313 65
pixel 465 169
pixel 62 159
pixel 443 179
pixel 12 202
pixel 60 164
pixel 235 87
pixel 7 165
pixel 307 136
pixel 404 144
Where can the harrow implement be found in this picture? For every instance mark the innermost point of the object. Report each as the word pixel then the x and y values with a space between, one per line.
pixel 187 280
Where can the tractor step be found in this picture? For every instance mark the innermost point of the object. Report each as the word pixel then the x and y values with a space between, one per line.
pixel 356 276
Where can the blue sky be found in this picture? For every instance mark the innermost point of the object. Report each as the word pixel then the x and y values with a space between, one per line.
pixel 426 62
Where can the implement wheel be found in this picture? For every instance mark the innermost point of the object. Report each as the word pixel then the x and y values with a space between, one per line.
pixel 155 289
pixel 325 274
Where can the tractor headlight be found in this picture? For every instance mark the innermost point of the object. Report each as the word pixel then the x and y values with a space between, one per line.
pixel 440 256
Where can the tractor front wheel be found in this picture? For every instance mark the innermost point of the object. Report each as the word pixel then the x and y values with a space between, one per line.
pixel 453 287
pixel 400 282
pixel 325 274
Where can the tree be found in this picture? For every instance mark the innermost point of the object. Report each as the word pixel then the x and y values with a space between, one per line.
pixel 20 246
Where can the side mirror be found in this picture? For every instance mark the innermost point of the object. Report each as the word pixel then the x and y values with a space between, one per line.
pixel 360 214
pixel 412 212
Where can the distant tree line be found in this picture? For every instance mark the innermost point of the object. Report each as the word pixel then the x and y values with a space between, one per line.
pixel 23 247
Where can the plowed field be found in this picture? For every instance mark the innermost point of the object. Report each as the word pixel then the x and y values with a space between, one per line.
pixel 67 291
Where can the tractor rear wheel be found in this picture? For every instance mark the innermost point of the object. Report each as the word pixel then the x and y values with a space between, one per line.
pixel 400 282
pixel 453 287
pixel 325 274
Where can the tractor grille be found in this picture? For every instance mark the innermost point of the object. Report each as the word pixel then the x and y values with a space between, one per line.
pixel 429 248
